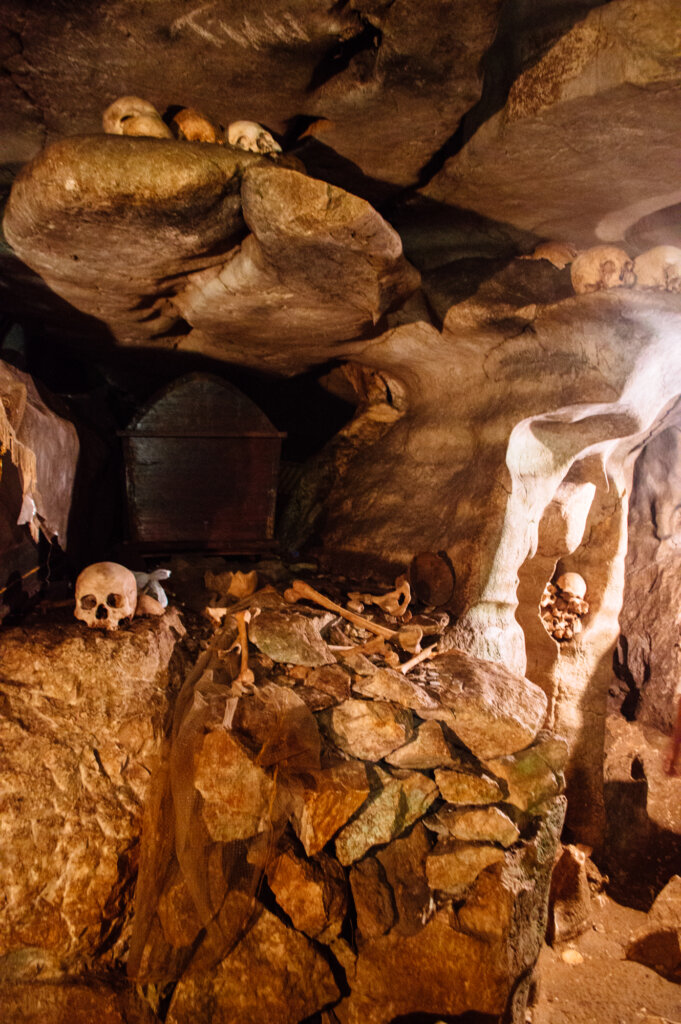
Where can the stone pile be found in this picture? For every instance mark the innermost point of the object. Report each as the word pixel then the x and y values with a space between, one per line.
pixel 404 826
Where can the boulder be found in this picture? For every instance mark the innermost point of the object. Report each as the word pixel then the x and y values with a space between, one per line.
pixel 323 801
pixel 289 638
pixel 367 729
pixel 396 801
pixel 312 892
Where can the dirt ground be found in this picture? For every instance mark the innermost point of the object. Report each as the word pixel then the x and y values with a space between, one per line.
pixel 602 987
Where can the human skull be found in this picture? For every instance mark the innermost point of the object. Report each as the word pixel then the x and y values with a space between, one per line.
pixel 603 266
pixel 251 136
pixel 106 594
pixel 194 127
pixel 131 115
pixel 659 268
pixel 572 584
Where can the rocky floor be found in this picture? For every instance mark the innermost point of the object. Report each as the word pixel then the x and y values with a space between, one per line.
pixel 589 981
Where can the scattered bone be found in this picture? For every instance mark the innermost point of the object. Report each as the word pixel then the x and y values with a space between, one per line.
pixel 131 115
pixel 148 606
pixel 192 126
pixel 409 638
pixel 299 590
pixel 243 684
pixel 562 606
pixel 106 595
pixel 395 602
pixel 424 655
pixel 251 136
pixel 355 606
pixel 603 266
pixel 560 254
pixel 659 269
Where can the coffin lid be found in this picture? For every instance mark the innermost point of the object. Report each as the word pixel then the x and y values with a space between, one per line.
pixel 200 405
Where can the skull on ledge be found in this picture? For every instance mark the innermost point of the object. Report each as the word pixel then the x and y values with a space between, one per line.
pixel 106 594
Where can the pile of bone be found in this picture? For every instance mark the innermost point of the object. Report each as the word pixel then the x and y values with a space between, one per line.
pixel 563 606
pixel 396 797
pixel 607 266
pixel 131 115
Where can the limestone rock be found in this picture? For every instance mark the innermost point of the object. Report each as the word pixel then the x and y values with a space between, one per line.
pixel 332 680
pixel 408 974
pixel 404 862
pixel 324 800
pixel 428 749
pixel 463 786
pixel 312 893
pixel 80 734
pixel 396 801
pixel 372 897
pixel 367 729
pixel 484 824
pixel 273 974
pixel 529 774
pixel 389 685
pixel 45 1003
pixel 290 638
pixel 658 944
pixel 493 710
pixel 569 896
pixel 237 793
pixel 452 865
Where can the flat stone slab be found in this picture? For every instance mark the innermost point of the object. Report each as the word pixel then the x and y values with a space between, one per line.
pixel 368 730
pixel 396 802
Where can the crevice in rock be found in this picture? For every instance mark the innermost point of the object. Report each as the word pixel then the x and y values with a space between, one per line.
pixel 524 36
pixel 622 672
pixel 337 59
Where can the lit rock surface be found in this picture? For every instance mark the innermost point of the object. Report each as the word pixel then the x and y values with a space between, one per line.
pixel 312 893
pixel 367 729
pixel 429 749
pixel 80 734
pixel 372 897
pixel 323 801
pixel 237 794
pixel 484 824
pixel 467 787
pixel 492 710
pixel 396 801
pixel 453 865
pixel 274 974
pixel 293 639
pixel 534 774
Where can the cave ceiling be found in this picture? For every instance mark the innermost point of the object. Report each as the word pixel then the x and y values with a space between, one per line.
pixel 424 146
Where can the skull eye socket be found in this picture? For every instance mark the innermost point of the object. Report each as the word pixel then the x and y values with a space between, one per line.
pixel 114 600
pixel 88 602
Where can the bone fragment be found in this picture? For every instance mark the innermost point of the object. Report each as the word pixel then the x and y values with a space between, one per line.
pixel 244 680
pixel 395 602
pixel 300 590
pixel 425 655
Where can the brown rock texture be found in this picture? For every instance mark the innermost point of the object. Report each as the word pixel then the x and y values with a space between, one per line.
pixel 81 728
pixel 658 945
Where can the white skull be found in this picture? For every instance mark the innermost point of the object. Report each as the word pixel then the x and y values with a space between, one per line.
pixel 106 593
pixel 659 268
pixel 572 584
pixel 131 115
pixel 603 266
pixel 251 136
pixel 194 127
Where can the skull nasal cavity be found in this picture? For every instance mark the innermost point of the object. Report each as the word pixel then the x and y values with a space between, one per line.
pixel 102 612
pixel 114 600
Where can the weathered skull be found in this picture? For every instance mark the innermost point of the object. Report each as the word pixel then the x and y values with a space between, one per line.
pixel 106 594
pixel 194 127
pixel 251 136
pixel 131 115
pixel 603 266
pixel 572 584
pixel 659 268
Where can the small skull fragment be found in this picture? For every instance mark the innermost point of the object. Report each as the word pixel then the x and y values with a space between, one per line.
pixel 131 115
pixel 251 136
pixel 659 269
pixel 192 126
pixel 106 595
pixel 603 266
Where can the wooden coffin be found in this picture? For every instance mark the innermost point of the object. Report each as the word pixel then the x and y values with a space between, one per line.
pixel 201 463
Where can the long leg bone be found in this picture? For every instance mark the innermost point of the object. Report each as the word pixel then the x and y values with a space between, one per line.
pixel 424 655
pixel 299 590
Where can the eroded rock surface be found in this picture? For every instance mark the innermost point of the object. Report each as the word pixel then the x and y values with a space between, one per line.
pixel 82 721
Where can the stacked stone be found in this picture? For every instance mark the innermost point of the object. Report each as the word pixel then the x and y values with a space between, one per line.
pixel 412 876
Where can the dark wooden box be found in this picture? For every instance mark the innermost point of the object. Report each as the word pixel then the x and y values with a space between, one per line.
pixel 201 462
